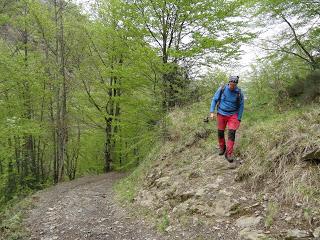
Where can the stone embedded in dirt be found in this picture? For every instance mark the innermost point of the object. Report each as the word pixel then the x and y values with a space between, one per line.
pixel 212 186
pixel 163 182
pixel 311 155
pixel 288 219
pixel 168 229
pixel 200 192
pixel 186 195
pixel 316 232
pixel 225 192
pixel 257 213
pixel 244 222
pixel 249 234
pixel 145 199
pixel 266 197
pixel 194 174
pixel 223 206
pixel 153 176
pixel 296 234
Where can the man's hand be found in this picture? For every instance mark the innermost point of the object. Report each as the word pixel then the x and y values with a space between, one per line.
pixel 212 116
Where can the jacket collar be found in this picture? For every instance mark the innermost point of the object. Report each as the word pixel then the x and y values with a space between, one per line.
pixel 235 90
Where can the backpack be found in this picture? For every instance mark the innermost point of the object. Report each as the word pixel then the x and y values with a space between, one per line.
pixel 238 97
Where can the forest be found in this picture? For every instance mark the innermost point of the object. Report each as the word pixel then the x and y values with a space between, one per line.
pixel 86 88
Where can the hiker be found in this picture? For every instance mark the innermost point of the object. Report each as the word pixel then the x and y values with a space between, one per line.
pixel 230 102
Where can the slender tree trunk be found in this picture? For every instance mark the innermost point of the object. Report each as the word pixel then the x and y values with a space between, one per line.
pixel 61 131
pixel 108 129
pixel 29 146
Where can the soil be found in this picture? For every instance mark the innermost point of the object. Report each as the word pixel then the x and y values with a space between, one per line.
pixel 84 209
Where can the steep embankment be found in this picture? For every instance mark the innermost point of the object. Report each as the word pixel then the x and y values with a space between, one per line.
pixel 187 188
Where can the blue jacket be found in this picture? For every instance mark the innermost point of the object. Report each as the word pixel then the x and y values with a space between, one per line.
pixel 228 104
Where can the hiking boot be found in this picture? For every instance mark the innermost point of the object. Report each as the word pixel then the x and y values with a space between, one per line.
pixel 233 165
pixel 222 151
pixel 230 159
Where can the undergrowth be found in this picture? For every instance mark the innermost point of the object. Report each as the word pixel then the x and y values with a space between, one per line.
pixel 11 218
pixel 275 148
pixel 271 143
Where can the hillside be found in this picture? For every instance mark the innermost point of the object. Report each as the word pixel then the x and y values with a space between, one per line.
pixel 186 187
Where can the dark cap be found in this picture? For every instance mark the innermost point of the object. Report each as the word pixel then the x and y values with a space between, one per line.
pixel 234 79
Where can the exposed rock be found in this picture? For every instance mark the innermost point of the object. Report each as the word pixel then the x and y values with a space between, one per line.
pixel 316 232
pixel 249 234
pixel 298 204
pixel 194 174
pixel 202 209
pixel 162 182
pixel 200 192
pixel 288 219
pixel 153 176
pixel 312 155
pixel 244 222
pixel 296 234
pixel 145 199
pixel 225 192
pixel 186 195
pixel 168 229
pixel 223 206
pixel 212 186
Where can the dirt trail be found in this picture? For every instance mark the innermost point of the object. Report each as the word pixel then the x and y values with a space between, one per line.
pixel 84 209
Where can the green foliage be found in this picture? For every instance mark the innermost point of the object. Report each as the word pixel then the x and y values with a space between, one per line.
pixel 300 37
pixel 11 218
pixel 306 89
pixel 163 222
pixel 127 187
pixel 273 148
pixel 272 211
pixel 80 93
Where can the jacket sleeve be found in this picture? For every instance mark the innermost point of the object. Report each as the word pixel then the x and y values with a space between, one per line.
pixel 241 107
pixel 215 100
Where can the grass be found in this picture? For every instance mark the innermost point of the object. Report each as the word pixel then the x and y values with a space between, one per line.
pixel 272 211
pixel 163 222
pixel 270 143
pixel 185 127
pixel 127 188
pixel 273 148
pixel 11 218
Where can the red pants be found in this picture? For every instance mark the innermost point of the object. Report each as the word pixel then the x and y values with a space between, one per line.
pixel 233 124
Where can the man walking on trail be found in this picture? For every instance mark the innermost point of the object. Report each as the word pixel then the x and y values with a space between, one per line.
pixel 230 103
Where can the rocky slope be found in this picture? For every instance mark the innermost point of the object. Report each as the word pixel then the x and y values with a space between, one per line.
pixel 189 189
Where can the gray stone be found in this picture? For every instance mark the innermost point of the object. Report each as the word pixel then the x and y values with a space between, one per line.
pixel 244 222
pixel 186 195
pixel 225 192
pixel 163 182
pixel 316 232
pixel 145 199
pixel 249 234
pixel 212 186
pixel 296 233
pixel 168 229
pixel 223 206
pixel 288 219
pixel 200 192
pixel 311 155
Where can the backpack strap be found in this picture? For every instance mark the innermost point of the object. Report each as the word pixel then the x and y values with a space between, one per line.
pixel 239 98
pixel 221 92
